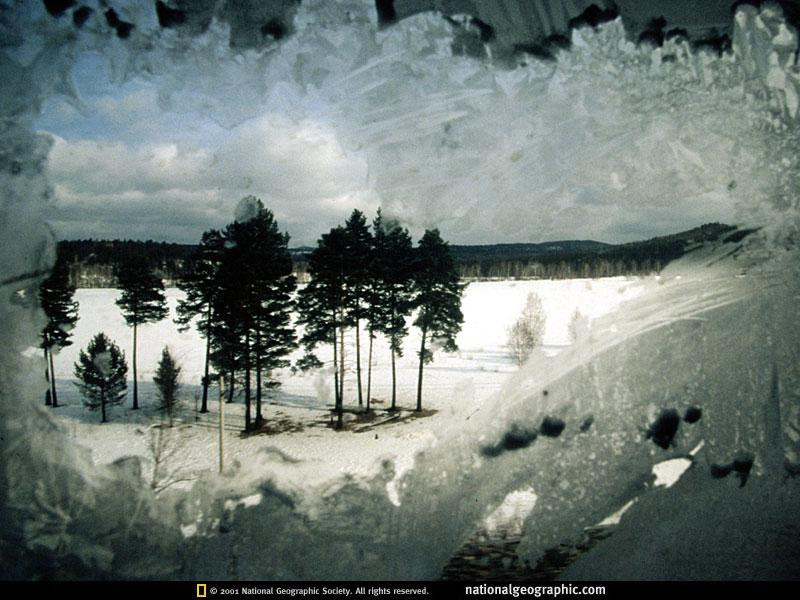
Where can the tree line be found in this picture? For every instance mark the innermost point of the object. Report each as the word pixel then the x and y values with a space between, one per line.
pixel 93 263
pixel 590 260
pixel 241 294
pixel 571 268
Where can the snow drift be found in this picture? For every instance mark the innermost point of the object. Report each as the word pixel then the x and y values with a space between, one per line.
pixel 630 124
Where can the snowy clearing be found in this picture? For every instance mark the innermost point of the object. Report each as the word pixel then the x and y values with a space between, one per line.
pixel 455 384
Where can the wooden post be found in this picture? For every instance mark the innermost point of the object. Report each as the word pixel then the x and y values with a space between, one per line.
pixel 221 419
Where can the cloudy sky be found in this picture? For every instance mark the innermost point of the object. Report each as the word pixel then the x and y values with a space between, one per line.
pixel 355 117
pixel 124 167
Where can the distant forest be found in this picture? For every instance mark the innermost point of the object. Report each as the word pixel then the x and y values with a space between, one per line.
pixel 93 262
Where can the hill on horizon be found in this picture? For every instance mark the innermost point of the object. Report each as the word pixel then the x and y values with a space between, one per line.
pixel 92 261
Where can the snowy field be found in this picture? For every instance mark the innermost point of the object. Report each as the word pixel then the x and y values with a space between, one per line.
pixel 455 384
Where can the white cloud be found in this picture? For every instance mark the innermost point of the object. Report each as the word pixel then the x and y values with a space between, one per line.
pixel 299 170
pixel 102 167
pixel 299 161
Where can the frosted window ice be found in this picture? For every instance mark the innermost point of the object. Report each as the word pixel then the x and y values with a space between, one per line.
pixel 721 130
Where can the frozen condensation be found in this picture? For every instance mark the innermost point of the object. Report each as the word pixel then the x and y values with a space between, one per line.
pixel 610 119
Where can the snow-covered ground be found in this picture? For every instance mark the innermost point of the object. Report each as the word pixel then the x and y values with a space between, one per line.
pixel 454 384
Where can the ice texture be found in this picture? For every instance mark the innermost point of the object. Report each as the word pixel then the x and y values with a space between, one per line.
pixel 707 338
pixel 625 123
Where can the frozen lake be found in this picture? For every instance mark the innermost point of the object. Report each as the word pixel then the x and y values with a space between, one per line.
pixel 489 310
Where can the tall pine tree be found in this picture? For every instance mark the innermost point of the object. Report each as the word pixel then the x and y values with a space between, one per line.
pixel 322 304
pixel 255 299
pixel 372 307
pixel 272 286
pixel 357 272
pixel 393 270
pixel 56 298
pixel 141 300
pixel 437 297
pixel 201 286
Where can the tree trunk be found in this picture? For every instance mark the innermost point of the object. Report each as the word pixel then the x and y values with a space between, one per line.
pixel 335 371
pixel 49 394
pixel 341 361
pixel 421 364
pixel 135 387
pixel 339 420
pixel 103 408
pixel 53 394
pixel 394 380
pixel 369 370
pixel 258 380
pixel 221 422
pixel 204 405
pixel 358 362
pixel 233 382
pixel 247 381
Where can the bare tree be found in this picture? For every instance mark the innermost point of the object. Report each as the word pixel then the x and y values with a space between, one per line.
pixel 578 326
pixel 528 330
pixel 164 446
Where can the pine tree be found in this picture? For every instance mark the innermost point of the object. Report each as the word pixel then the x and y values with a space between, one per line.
pixel 56 298
pixel 254 301
pixel 357 272
pixel 321 307
pixel 437 297
pixel 372 308
pixel 101 372
pixel 272 286
pixel 141 300
pixel 233 319
pixel 393 269
pixel 225 341
pixel 201 286
pixel 166 379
